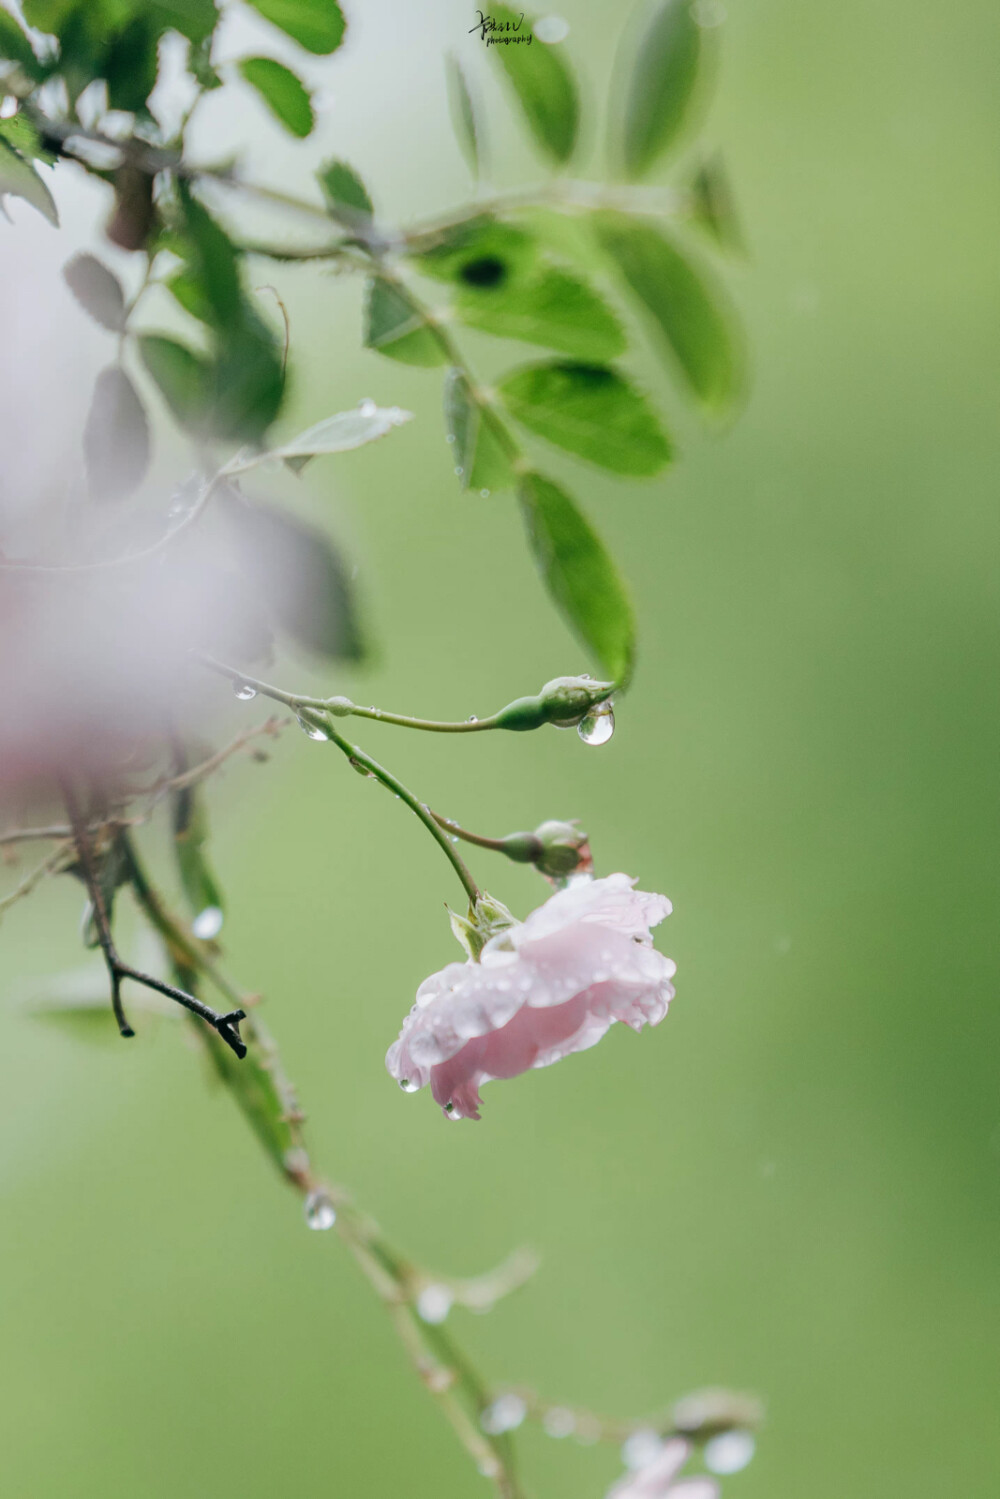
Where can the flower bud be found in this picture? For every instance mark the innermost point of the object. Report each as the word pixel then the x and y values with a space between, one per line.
pixel 565 850
pixel 564 702
pixel 487 918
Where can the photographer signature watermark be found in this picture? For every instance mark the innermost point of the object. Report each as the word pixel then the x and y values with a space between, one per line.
pixel 502 33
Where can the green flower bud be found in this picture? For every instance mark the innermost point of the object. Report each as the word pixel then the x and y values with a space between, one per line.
pixel 523 848
pixel 568 699
pixel 564 850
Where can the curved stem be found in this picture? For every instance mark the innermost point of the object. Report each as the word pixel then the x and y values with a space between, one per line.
pixel 358 757
pixel 342 707
pixel 495 844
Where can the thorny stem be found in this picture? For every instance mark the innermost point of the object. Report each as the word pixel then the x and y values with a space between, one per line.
pixel 227 1026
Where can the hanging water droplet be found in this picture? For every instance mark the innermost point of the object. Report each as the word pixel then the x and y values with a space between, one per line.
pixel 558 1422
pixel 312 729
pixel 244 691
pixel 729 1452
pixel 320 1211
pixel 408 1086
pixel 434 1304
pixel 452 1111
pixel 367 407
pixel 598 726
pixel 207 924
pixel 505 1414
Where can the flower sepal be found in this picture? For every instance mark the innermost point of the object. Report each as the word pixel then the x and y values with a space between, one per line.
pixel 487 918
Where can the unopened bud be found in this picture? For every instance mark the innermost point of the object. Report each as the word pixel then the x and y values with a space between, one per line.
pixel 565 850
pixel 564 702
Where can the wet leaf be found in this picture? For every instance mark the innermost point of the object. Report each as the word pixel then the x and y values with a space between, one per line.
pixel 692 319
pixel 116 437
pixel 660 87
pixel 299 576
pixel 285 95
pixel 553 308
pixel 480 252
pixel 466 116
pixel 338 434
pixel 317 25
pixel 589 410
pixel 713 206
pixel 18 179
pixel 480 460
pixel 97 290
pixel 579 574
pixel 395 326
pixel 543 81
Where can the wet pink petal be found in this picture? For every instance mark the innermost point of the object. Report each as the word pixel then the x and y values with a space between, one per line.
pixel 543 989
pixel 655 1478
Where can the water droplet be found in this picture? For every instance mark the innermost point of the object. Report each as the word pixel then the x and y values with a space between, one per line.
pixel 598 726
pixel 489 1467
pixel 408 1086
pixel 472 718
pixel 434 1304
pixel 550 29
pixel 312 729
pixel 452 1112
pixel 484 494
pixel 585 676
pixel 207 924
pixel 320 1211
pixel 558 1422
pixel 641 1448
pixel 729 1452
pixel 367 407
pixel 454 837
pixel 449 437
pixel 244 691
pixel 505 1414
pixel 460 472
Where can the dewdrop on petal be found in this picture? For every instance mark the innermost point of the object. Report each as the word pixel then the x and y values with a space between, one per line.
pixel 540 990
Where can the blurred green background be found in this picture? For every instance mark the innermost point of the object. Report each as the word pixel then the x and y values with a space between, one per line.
pixel 791 1186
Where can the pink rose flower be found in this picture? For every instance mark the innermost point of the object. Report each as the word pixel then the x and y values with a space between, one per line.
pixel 655 1478
pixel 542 989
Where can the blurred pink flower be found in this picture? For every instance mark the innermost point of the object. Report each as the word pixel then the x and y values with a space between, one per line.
pixel 655 1478
pixel 543 988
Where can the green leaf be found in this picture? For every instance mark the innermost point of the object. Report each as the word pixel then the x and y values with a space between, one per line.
pixel 19 179
pixel 465 116
pixel 692 320
pixel 346 195
pixel 337 434
pixel 554 308
pixel 189 293
pixel 15 46
pixel 213 260
pixel 18 131
pixel 190 827
pixel 713 207
pixel 285 95
pixel 660 87
pixel 480 460
pixel 298 575
pixel 194 19
pixel 579 574
pixel 317 25
pixel 184 378
pixel 589 410
pixel 116 437
pixel 249 382
pixel 130 64
pixel 542 79
pixel 97 290
pixel 481 252
pixel 395 326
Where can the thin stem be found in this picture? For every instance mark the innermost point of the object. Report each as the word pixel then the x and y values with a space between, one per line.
pixel 358 757
pixel 53 864
pixel 342 707
pixel 496 844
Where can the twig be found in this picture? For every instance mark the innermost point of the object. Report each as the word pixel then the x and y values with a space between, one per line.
pixel 228 1025
pixel 50 865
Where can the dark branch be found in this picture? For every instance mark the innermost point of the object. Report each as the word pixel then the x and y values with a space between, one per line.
pixel 228 1025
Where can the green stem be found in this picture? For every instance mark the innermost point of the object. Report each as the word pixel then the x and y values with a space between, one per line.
pixel 494 844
